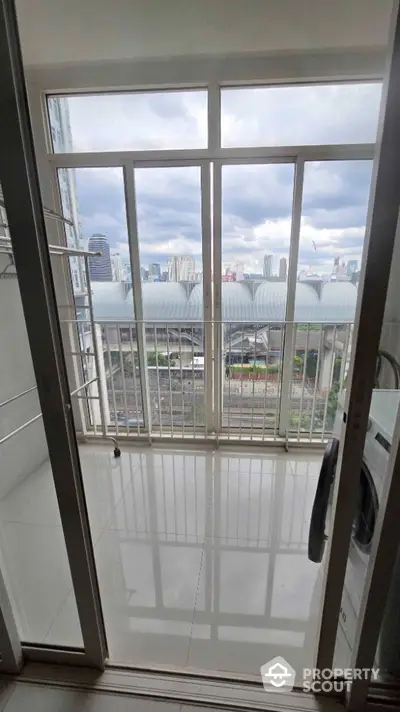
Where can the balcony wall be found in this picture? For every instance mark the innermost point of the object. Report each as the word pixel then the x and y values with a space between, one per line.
pixel 25 452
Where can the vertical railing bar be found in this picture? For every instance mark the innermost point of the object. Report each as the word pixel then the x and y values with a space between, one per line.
pixel 330 383
pixel 95 348
pixel 303 381
pixel 158 381
pixel 241 387
pixel 206 232
pixel 266 385
pixel 344 358
pixel 134 378
pixel 228 372
pixel 287 371
pixel 133 242
pixel 181 373
pixel 121 362
pixel 254 382
pixel 278 381
pixel 110 366
pixel 170 386
pixel 217 284
pixel 193 386
pixel 321 345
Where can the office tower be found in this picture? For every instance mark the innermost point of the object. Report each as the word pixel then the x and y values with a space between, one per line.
pixel 100 269
pixel 117 267
pixel 268 265
pixel 181 268
pixel 154 271
pixel 352 267
pixel 283 269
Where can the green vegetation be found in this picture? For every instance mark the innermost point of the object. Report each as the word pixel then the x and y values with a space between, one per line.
pixel 253 368
pixel 154 358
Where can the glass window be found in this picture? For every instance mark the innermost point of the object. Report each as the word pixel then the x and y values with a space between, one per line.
pixel 132 121
pixel 300 115
pixel 33 556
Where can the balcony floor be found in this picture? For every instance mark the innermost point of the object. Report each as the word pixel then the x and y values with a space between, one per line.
pixel 201 556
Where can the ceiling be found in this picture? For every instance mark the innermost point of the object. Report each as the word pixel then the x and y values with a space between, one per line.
pixel 62 31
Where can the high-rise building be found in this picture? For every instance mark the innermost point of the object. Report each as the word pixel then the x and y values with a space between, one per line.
pixel 100 269
pixel 181 268
pixel 352 267
pixel 283 269
pixel 62 143
pixel 267 272
pixel 117 267
pixel 154 271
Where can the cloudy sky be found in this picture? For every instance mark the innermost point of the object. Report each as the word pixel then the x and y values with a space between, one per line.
pixel 257 200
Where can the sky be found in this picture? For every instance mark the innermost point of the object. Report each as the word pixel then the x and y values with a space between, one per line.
pixel 256 199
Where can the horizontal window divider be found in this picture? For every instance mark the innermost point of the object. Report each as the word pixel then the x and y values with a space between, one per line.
pixel 194 157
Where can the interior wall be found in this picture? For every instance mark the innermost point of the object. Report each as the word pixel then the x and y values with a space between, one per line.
pixel 390 336
pixel 26 451
pixel 55 31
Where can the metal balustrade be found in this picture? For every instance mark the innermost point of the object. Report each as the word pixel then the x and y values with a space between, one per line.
pixel 162 392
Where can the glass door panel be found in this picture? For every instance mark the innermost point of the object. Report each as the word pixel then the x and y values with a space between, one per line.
pixel 256 227
pixel 33 556
pixel 169 227
pixel 332 232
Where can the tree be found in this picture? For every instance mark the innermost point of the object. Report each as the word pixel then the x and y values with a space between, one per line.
pixel 154 358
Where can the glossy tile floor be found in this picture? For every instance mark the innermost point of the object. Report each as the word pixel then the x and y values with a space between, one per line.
pixel 24 697
pixel 201 556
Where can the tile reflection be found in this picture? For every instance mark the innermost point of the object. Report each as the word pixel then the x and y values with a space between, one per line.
pixel 206 551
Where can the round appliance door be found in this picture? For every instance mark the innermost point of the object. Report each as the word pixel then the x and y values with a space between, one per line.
pixel 317 536
pixel 367 511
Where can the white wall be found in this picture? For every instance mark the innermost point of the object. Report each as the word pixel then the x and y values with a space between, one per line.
pixel 25 452
pixel 56 31
pixel 390 336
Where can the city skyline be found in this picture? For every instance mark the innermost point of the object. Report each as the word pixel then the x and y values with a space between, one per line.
pixel 257 199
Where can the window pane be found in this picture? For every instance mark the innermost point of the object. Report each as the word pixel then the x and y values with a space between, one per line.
pixel 256 224
pixel 300 115
pixel 334 212
pixel 33 555
pixel 99 206
pixel 170 242
pixel 128 121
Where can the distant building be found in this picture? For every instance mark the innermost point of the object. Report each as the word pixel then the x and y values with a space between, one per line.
pixel 352 267
pixel 181 268
pixel 283 269
pixel 267 272
pixel 154 271
pixel 100 268
pixel 117 267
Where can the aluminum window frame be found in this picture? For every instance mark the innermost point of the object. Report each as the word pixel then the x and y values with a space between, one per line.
pixel 213 153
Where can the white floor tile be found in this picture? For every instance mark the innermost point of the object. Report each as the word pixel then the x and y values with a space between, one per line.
pixel 42 698
pixel 201 557
pixel 148 590
pixel 38 574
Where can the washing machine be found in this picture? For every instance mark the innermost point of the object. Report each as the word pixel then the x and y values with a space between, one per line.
pixel 382 419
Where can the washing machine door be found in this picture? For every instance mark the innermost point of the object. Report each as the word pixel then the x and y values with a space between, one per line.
pixel 317 536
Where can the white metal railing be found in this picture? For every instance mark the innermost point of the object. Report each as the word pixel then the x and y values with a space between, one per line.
pixel 171 376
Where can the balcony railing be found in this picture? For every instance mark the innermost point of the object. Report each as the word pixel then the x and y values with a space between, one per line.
pixel 267 382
